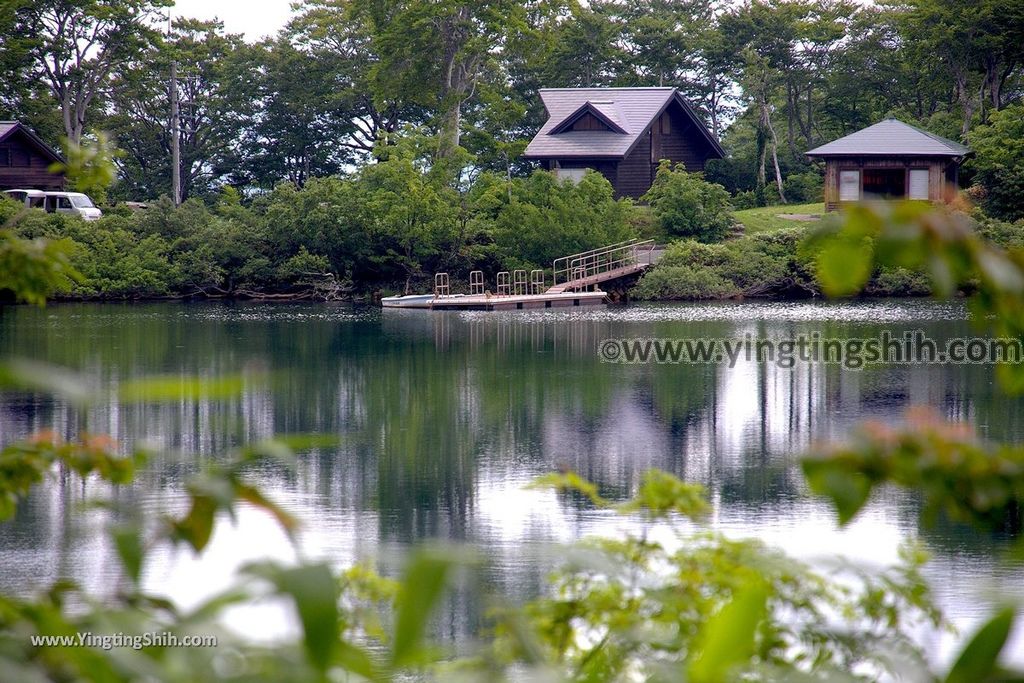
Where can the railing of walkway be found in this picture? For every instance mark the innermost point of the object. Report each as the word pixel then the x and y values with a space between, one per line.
pixel 519 282
pixel 603 260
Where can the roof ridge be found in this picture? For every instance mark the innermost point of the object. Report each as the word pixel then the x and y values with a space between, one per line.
pixel 871 141
pixel 952 144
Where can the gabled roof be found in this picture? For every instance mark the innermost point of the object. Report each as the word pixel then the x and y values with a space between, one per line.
pixel 632 110
pixel 891 137
pixel 8 128
pixel 605 112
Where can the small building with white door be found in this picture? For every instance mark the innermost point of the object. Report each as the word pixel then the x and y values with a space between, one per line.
pixel 890 160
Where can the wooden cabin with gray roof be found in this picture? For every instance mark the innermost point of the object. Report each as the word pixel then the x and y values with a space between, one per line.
pixel 890 160
pixel 623 133
pixel 25 160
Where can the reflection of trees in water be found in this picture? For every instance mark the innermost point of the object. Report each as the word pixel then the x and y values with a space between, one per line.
pixel 436 410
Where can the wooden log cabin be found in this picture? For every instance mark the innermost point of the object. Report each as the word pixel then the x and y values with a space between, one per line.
pixel 623 133
pixel 25 160
pixel 890 160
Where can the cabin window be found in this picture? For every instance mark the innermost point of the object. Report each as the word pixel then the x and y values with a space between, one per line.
pixel 5 156
pixel 918 185
pixel 573 174
pixel 666 123
pixel 849 186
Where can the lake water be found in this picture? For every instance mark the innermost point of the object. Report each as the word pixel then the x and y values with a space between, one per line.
pixel 445 417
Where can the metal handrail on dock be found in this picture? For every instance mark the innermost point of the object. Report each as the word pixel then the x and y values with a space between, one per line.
pixel 476 283
pixel 569 269
pixel 519 282
pixel 441 285
pixel 537 281
pixel 504 283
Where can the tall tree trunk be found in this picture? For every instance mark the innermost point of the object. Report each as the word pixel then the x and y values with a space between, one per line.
pixel 809 131
pixel 767 119
pixel 966 100
pixel 792 119
pixel 762 151
pixel 450 133
pixel 460 74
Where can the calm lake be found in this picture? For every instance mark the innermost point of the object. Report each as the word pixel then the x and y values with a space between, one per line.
pixel 444 418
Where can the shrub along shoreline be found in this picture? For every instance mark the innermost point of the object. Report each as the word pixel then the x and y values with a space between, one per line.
pixel 781 264
pixel 389 227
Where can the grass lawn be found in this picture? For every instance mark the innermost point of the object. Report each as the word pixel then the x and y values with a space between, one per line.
pixel 768 218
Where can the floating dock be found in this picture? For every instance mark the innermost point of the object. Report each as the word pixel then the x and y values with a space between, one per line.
pixel 512 302
pixel 573 276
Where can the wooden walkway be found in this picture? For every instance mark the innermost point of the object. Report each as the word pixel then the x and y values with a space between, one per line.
pixel 590 268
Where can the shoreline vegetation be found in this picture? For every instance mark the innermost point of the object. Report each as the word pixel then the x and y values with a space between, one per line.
pixel 334 241
pixel 341 158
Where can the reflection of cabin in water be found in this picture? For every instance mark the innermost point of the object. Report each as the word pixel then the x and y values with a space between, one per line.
pixel 890 160
pixel 622 133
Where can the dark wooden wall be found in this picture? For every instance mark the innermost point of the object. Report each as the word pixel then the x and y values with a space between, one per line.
pixel 941 174
pixel 672 136
pixel 682 143
pixel 635 171
pixel 23 165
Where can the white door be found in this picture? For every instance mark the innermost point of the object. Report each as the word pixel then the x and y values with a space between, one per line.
pixel 918 183
pixel 849 186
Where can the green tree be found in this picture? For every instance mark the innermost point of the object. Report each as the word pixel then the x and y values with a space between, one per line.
pixel 661 41
pixel 340 33
pixel 586 51
pixel 686 205
pixel 438 52
pixel 412 214
pixel 980 48
pixel 999 162
pixel 329 217
pixel 300 119
pixel 75 46
pixel 214 73
pixel 546 219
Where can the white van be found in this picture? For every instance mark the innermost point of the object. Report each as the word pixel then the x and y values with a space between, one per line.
pixel 57 202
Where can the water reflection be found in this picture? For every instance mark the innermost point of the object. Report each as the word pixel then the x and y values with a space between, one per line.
pixel 443 417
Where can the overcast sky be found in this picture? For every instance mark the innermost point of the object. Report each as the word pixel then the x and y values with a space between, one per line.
pixel 254 19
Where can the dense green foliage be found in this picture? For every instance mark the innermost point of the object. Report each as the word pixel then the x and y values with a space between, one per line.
pixel 999 162
pixel 545 219
pixel 686 205
pixel 345 78
pixel 782 262
pixel 390 226
pixel 759 264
